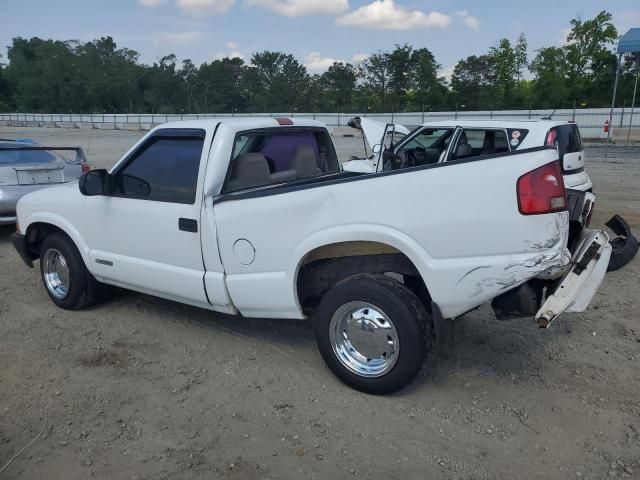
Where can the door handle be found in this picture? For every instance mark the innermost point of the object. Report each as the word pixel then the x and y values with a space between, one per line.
pixel 188 225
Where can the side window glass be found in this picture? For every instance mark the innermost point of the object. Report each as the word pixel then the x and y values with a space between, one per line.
pixel 478 142
pixel 268 157
pixel 166 170
pixel 426 148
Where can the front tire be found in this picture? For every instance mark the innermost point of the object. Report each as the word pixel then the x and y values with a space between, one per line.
pixel 373 333
pixel 64 274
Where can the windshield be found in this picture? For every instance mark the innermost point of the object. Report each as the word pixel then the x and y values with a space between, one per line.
pixel 19 157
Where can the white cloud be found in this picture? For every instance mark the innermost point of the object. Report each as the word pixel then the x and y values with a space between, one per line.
pixel 298 8
pixel 233 51
pixel 204 7
pixel 386 15
pixel 317 63
pixel 360 57
pixel 469 20
pixel 151 3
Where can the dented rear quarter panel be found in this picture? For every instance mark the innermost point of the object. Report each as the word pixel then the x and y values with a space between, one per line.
pixel 458 223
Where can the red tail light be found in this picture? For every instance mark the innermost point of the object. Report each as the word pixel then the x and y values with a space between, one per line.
pixel 85 167
pixel 542 190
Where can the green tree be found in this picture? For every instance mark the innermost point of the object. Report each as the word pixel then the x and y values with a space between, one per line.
pixel 376 73
pixel 337 84
pixel 282 80
pixel 401 63
pixel 472 82
pixel 429 91
pixel 550 68
pixel 587 53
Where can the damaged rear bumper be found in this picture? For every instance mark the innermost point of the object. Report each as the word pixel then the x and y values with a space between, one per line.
pixel 579 285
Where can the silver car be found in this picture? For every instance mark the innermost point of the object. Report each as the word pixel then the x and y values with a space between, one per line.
pixel 26 166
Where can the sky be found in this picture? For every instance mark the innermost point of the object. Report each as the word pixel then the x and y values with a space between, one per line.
pixel 317 32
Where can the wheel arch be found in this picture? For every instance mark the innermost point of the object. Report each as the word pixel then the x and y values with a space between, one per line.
pixel 39 227
pixel 327 263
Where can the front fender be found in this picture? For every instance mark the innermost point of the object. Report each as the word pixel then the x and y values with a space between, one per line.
pixel 60 222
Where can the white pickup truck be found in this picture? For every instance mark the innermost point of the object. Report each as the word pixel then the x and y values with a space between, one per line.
pixel 254 217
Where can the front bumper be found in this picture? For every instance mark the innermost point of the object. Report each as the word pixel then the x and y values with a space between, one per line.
pixel 20 244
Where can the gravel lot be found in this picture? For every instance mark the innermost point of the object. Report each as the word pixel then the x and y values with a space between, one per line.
pixel 139 387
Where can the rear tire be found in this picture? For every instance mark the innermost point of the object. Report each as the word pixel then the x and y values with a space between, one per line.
pixel 64 274
pixel 373 333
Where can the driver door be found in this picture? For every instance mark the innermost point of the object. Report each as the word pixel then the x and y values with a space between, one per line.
pixel 145 235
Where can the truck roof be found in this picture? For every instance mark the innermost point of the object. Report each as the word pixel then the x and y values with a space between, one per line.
pixel 244 123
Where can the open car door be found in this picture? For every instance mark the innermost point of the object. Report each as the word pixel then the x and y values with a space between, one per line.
pixel 378 135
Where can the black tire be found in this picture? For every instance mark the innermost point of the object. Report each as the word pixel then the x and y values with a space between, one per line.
pixel 82 285
pixel 412 324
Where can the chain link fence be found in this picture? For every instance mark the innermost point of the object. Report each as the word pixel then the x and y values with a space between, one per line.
pixel 625 125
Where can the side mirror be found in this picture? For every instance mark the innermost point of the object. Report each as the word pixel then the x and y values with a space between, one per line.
pixel 94 182
pixel 376 148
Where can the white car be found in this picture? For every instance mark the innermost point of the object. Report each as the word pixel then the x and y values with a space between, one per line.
pixel 447 140
pixel 394 146
pixel 254 217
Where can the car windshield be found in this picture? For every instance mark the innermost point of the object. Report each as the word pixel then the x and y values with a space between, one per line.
pixel 16 156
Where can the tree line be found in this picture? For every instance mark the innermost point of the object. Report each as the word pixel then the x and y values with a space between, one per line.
pixel 100 77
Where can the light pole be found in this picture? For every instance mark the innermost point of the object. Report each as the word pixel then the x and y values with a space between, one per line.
pixel 633 101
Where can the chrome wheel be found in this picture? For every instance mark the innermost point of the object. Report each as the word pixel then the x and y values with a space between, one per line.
pixel 364 339
pixel 56 273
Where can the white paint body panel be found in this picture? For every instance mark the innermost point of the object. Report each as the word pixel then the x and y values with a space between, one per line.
pixel 446 232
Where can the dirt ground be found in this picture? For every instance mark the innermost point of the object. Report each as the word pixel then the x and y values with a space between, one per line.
pixel 139 387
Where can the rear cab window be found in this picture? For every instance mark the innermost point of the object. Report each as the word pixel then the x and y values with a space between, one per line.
pixel 273 156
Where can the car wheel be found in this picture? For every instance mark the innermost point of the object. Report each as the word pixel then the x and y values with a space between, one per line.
pixel 373 333
pixel 64 274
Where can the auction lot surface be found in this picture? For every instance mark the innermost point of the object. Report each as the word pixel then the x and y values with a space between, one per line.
pixel 139 387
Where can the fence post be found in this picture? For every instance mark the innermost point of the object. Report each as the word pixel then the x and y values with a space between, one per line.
pixel 573 118
pixel 423 113
pixel 624 104
pixel 529 111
